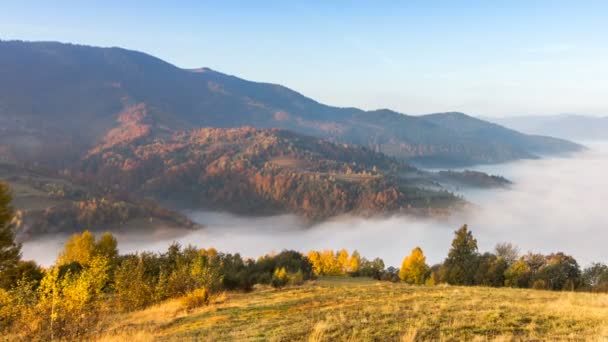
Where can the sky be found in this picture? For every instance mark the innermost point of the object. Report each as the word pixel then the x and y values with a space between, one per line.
pixel 486 58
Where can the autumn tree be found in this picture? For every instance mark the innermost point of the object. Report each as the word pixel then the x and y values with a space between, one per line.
pixel 342 261
pixel 81 248
pixel 314 257
pixel 560 272
pixel 10 250
pixel 354 262
pixel 329 262
pixel 518 274
pixel 460 266
pixel 133 289
pixel 107 246
pixel 414 268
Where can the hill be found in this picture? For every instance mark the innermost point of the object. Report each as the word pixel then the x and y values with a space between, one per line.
pixel 47 203
pixel 58 100
pixel 337 309
pixel 567 126
pixel 256 171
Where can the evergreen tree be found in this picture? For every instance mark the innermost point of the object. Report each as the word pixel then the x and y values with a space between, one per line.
pixel 10 250
pixel 460 266
pixel 414 268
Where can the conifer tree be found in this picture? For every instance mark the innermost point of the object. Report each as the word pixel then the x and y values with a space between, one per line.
pixel 460 266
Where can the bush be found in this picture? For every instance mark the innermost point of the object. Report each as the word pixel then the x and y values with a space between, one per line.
pixel 296 278
pixel 196 299
pixel 279 277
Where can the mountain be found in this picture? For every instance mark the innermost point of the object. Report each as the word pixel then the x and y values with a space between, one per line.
pixel 567 126
pixel 259 171
pixel 58 101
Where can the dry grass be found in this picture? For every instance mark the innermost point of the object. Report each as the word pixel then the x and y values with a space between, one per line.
pixel 361 310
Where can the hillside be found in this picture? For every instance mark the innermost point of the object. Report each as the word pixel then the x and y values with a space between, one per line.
pixel 257 171
pixel 58 100
pixel 47 204
pixel 337 309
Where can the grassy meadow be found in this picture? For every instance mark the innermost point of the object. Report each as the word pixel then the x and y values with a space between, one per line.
pixel 361 309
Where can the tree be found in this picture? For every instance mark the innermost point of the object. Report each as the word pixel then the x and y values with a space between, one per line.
pixel 560 272
pixel 460 266
pixel 354 263
pixel 595 277
pixel 491 270
pixel 10 250
pixel 518 274
pixel 107 246
pixel 329 262
pixel 343 261
pixel 81 248
pixel 133 290
pixel 279 277
pixel 507 251
pixel 372 269
pixel 315 259
pixel 414 268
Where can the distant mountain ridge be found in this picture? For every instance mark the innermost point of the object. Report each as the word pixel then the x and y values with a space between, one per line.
pixel 58 101
pixel 567 126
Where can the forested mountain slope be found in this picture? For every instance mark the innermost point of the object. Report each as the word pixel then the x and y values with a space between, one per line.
pixel 57 100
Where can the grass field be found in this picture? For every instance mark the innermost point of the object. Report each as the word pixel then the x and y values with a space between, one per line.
pixel 352 309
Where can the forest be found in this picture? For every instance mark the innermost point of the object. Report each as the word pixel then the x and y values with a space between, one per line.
pixel 255 171
pixel 90 280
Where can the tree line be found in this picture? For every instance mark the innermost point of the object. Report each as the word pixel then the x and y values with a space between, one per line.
pixel 91 281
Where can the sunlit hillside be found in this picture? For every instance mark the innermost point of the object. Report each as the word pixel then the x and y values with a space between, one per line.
pixel 358 309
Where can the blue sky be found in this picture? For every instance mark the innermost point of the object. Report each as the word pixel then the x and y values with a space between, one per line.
pixel 490 58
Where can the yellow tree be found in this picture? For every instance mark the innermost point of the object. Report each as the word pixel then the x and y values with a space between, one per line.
pixel 315 260
pixel 343 261
pixel 329 263
pixel 82 248
pixel 79 248
pixel 414 268
pixel 107 246
pixel 354 262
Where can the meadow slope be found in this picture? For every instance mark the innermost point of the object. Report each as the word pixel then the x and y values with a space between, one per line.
pixel 358 309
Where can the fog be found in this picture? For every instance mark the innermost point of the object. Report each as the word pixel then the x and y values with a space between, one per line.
pixel 555 204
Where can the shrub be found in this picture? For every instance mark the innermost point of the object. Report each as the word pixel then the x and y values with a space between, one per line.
pixel 195 299
pixel 133 290
pixel 296 278
pixel 279 277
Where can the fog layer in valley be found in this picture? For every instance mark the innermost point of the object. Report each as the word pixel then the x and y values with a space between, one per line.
pixel 555 204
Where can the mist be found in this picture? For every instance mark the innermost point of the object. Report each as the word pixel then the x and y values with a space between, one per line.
pixel 555 204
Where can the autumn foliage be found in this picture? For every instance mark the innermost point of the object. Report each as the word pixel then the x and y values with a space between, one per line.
pixel 259 171
pixel 414 268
